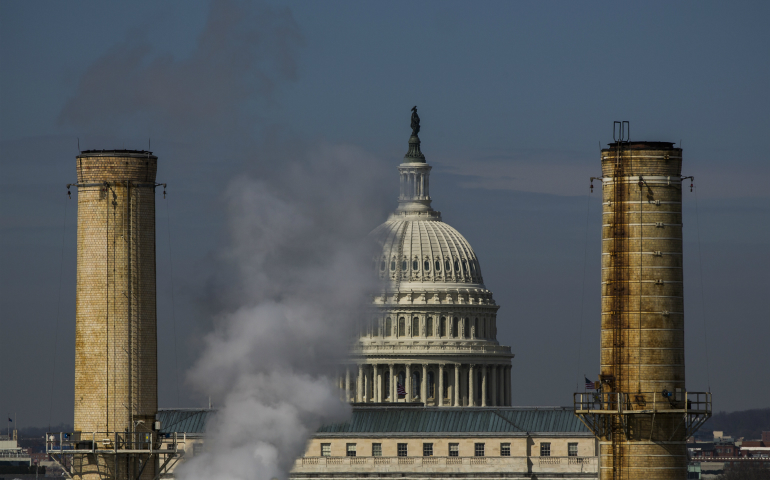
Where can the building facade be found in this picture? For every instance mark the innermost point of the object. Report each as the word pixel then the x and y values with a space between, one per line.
pixel 432 337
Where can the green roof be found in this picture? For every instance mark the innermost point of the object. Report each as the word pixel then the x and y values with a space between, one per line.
pixel 387 419
pixel 183 420
pixel 459 420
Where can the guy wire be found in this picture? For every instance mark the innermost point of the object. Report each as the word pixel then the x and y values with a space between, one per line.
pixel 702 295
pixel 58 309
pixel 583 287
pixel 173 308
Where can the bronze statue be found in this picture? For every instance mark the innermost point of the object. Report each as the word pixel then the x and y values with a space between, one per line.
pixel 415 121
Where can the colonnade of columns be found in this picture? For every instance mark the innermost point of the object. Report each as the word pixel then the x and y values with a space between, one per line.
pixel 415 185
pixel 442 384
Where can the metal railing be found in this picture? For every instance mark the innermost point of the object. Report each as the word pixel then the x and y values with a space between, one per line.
pixel 59 443
pixel 644 402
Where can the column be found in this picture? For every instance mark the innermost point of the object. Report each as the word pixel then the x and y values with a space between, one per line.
pixel 424 384
pixel 360 384
pixel 508 385
pixel 441 385
pixel 347 384
pixel 392 397
pixel 408 381
pixel 501 384
pixel 483 385
pixel 493 386
pixel 456 386
pixel 377 384
pixel 471 399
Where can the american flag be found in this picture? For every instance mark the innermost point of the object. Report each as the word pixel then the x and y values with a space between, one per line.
pixel 400 389
pixel 590 385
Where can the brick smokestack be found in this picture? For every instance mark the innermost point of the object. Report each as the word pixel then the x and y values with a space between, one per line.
pixel 116 392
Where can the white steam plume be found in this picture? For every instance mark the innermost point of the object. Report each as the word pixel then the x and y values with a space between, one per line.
pixel 304 282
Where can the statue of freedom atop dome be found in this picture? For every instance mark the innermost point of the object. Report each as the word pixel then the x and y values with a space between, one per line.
pixel 415 121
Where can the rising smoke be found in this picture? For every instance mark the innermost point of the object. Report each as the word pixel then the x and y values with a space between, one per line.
pixel 293 281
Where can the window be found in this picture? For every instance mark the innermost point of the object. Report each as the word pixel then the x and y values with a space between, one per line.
pixel 392 265
pixel 402 450
pixel 375 327
pixel 416 385
pixel 466 328
pixel 403 265
pixel 572 449
pixel 478 450
pixel 415 265
pixel 197 449
pixel 446 385
pixel 438 265
pixel 426 265
pixel 351 449
pixel 326 449
pixel 545 449
pixel 388 327
pixel 376 449
pixel 457 268
pixel 415 327
pixel 442 327
pixel 427 449
pixel 455 327
pixel 505 449
pixel 476 328
pixel 454 449
pixel 431 386
pixel 465 267
pixel 401 327
pixel 386 381
pixel 429 328
pixel 447 266
pixel 382 266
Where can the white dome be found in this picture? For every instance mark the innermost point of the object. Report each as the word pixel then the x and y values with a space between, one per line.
pixel 423 249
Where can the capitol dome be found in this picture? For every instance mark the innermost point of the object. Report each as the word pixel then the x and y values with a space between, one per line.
pixel 432 334
pixel 427 250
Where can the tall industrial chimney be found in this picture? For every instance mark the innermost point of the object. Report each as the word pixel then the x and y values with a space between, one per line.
pixel 116 393
pixel 642 412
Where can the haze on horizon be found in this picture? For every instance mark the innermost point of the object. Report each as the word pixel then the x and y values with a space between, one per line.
pixel 515 99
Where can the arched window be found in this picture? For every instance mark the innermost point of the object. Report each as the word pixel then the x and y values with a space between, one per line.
pixel 403 265
pixel 442 327
pixel 400 379
pixel 482 332
pixel 415 265
pixel 429 327
pixel 455 327
pixel 388 327
pixel 476 328
pixel 431 386
pixel 382 266
pixel 426 265
pixel 415 327
pixel 392 265
pixel 438 265
pixel 465 267
pixel 457 267
pixel 466 328
pixel 416 385
pixel 401 327
pixel 386 387
pixel 447 266
pixel 376 327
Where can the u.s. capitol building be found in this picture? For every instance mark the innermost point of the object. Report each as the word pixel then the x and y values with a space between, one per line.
pixel 429 383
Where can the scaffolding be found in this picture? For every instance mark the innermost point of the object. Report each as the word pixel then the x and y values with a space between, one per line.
pixel 73 450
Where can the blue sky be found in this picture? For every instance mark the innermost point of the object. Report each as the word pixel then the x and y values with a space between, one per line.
pixel 515 100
